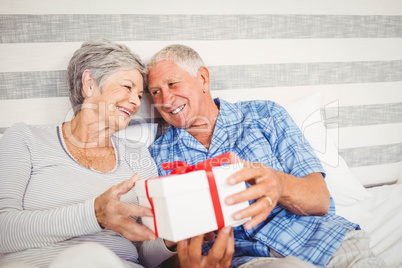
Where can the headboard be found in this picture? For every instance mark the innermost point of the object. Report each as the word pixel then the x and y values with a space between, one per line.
pixel 350 51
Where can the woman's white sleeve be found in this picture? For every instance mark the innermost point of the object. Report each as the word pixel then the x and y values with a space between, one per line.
pixel 21 229
pixel 153 253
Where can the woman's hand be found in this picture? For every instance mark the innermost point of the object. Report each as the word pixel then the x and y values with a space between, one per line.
pixel 208 237
pixel 115 215
pixel 219 256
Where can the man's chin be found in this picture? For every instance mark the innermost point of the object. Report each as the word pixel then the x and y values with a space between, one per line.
pixel 177 123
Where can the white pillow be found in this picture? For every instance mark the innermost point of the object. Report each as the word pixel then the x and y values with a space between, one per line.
pixel 357 213
pixel 143 132
pixel 342 185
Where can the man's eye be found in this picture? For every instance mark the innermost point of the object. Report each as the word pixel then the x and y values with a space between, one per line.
pixel 155 92
pixel 171 84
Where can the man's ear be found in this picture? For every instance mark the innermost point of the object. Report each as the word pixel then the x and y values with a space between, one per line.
pixel 87 84
pixel 204 76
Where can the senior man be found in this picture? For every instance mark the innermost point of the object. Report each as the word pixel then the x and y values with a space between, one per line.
pixel 293 220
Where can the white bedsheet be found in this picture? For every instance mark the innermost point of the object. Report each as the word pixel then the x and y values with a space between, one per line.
pixel 381 216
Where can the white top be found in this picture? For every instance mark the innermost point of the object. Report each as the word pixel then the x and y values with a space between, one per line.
pixel 47 198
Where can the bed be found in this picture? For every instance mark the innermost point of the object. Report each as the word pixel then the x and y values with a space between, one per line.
pixel 336 66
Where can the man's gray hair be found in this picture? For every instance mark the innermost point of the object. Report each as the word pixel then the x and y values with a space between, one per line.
pixel 102 58
pixel 183 56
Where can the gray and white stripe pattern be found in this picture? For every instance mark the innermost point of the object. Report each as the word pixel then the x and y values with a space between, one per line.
pixel 47 202
pixel 349 51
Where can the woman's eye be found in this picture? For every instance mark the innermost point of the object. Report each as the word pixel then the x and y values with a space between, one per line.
pixel 128 87
pixel 140 97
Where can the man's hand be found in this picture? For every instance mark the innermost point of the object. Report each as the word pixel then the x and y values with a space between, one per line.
pixel 265 187
pixel 115 215
pixel 302 196
pixel 219 256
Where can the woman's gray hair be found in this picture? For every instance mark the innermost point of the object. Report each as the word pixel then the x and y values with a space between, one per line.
pixel 102 58
pixel 185 57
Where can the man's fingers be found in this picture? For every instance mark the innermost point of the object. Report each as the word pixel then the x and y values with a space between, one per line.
pixel 247 174
pixel 255 221
pixel 259 211
pixel 250 193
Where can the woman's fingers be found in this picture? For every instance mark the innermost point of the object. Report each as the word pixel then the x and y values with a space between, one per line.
pixel 221 250
pixel 195 249
pixel 182 251
pixel 134 231
pixel 125 186
pixel 190 251
pixel 219 256
pixel 208 237
pixel 115 215
pixel 133 210
pixel 119 220
pixel 227 258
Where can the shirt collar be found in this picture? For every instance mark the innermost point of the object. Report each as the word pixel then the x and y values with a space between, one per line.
pixel 229 113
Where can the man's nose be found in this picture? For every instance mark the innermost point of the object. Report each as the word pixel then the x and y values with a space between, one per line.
pixel 167 97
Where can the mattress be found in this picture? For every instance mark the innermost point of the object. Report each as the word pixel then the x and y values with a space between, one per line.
pixel 381 216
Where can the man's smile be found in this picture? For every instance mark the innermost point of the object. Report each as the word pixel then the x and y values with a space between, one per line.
pixel 178 109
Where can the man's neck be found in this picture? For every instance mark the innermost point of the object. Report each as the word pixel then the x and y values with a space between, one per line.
pixel 203 131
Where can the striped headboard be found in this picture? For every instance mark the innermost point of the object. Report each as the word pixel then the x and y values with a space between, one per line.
pixel 349 50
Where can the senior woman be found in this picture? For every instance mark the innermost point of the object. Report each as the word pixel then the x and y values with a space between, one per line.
pixel 68 184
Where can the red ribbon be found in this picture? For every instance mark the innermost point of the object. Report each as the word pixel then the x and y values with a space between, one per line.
pixel 180 167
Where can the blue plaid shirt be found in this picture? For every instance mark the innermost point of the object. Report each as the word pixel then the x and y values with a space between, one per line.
pixel 262 131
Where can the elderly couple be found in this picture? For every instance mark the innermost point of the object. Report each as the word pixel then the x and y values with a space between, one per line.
pixel 66 197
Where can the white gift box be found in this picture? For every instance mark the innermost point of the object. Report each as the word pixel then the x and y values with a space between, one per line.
pixel 183 206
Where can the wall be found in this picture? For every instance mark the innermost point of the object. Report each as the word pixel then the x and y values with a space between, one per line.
pixel 349 50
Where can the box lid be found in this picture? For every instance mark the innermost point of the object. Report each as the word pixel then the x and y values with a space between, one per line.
pixel 194 181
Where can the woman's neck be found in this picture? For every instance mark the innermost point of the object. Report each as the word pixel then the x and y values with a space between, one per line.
pixel 85 130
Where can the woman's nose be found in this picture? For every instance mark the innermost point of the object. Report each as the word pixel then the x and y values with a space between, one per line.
pixel 135 99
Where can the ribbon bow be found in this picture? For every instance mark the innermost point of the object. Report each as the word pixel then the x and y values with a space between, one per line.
pixel 180 167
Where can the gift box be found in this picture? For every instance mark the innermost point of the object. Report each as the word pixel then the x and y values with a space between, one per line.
pixel 190 204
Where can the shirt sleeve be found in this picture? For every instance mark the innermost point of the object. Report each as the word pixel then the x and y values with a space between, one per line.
pixel 153 253
pixel 22 229
pixel 293 151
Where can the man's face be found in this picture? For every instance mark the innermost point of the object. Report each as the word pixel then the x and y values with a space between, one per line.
pixel 178 96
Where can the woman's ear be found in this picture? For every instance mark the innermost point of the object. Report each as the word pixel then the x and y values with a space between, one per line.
pixel 204 75
pixel 87 84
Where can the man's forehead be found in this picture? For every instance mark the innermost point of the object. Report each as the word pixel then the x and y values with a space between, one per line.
pixel 165 74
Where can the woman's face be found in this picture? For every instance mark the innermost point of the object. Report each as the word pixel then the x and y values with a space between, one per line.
pixel 120 98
